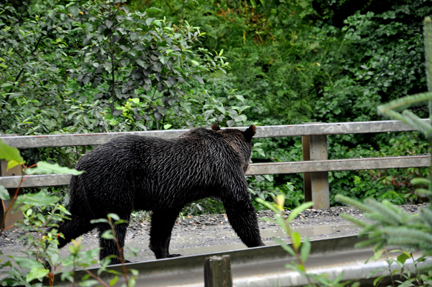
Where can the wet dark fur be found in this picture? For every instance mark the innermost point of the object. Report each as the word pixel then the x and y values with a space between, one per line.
pixel 145 173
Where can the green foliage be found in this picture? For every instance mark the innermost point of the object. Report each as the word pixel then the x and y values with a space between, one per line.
pixel 263 187
pixel 387 225
pixel 91 62
pixel 393 184
pixel 10 154
pixel 33 73
pixel 297 249
pixel 410 277
pixel 128 55
pixel 384 62
pixel 4 194
pixel 288 55
pixel 49 168
pixel 40 212
pixel 83 259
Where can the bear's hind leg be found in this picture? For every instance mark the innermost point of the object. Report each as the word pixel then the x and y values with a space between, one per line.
pixel 109 246
pixel 72 228
pixel 162 223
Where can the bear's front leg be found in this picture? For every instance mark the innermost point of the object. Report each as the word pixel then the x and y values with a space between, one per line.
pixel 241 215
pixel 162 223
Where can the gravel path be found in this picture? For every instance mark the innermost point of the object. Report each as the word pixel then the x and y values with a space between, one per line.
pixel 212 233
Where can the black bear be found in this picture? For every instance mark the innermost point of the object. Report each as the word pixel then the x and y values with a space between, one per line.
pixel 162 175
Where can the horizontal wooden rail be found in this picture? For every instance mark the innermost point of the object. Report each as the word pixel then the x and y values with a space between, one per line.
pixel 259 168
pixel 315 165
pixel 339 165
pixel 60 140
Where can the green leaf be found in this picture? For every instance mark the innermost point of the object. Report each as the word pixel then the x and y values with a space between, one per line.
pixel 107 234
pixel 419 181
pixel 376 281
pixel 108 23
pixel 113 216
pixel 113 281
pixel 10 154
pixel 195 62
pixel 4 194
pixel 221 110
pixel 305 249
pixel 149 21
pixel 48 168
pixel 135 100
pixel 141 63
pixel 281 222
pixel 267 204
pixel 239 97
pixel 100 220
pixel 299 209
pixel 6 85
pixel 36 273
pixel 163 59
pixel 152 9
pixel 377 254
pixel 26 263
pixel 280 201
pixel 12 164
pixel 285 246
pixel 403 257
pixel 296 240
pixel 88 283
pixel 37 199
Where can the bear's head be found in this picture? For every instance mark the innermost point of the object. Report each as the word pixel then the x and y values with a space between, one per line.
pixel 240 141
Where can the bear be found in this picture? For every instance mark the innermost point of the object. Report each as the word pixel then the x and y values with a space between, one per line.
pixel 134 172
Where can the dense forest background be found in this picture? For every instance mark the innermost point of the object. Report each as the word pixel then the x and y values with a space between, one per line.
pixel 98 66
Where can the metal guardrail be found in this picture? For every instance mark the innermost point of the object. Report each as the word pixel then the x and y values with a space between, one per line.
pixel 315 164
pixel 260 266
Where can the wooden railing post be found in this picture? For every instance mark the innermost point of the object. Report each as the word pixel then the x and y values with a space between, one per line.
pixel 217 271
pixel 307 175
pixel 316 185
pixel 11 218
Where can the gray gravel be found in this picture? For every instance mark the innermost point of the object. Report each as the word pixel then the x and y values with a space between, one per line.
pixel 212 233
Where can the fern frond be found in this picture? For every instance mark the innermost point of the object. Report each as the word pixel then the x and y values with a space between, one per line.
pixel 369 228
pixel 426 215
pixel 402 103
pixel 368 242
pixel 416 122
pixel 354 220
pixel 388 214
pixel 353 202
pixel 408 235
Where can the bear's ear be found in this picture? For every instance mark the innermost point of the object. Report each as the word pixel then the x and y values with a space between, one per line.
pixel 215 127
pixel 249 132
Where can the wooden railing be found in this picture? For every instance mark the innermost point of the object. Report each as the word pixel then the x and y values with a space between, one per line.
pixel 315 164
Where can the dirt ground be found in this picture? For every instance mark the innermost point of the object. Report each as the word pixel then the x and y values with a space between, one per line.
pixel 212 233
